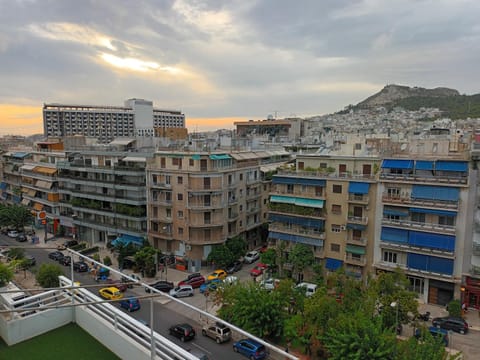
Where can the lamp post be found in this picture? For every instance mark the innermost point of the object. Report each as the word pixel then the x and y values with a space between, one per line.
pixel 396 305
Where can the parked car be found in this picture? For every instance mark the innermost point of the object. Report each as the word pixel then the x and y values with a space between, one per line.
pixel 210 285
pixel 258 269
pixel 12 233
pixel 181 291
pixel 66 260
pixel 162 285
pixel 21 237
pixel 250 348
pixel 269 284
pixel 110 293
pixel 217 274
pixel 56 255
pixel 218 331
pixel 182 331
pixel 195 281
pixel 251 257
pixel 451 323
pixel 434 332
pixel 30 260
pixel 80 266
pixel 116 283
pixel 309 288
pixel 68 244
pixel 130 304
pixel 231 279
pixel 234 267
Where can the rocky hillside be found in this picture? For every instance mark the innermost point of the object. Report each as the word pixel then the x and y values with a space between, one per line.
pixel 393 93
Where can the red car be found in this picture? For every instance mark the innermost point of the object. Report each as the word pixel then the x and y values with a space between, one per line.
pixel 258 269
pixel 194 282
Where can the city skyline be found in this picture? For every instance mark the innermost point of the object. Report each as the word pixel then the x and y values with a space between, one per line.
pixel 225 61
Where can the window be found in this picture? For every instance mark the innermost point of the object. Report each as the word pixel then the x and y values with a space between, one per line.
pixel 241 177
pixel 389 256
pixel 180 231
pixel 207 217
pixel 155 211
pixel 180 180
pixel 393 192
pixel 337 189
pixel 318 191
pixel 241 208
pixel 289 189
pixel 168 213
pixel 336 228
pixel 446 220
pixel 264 201
pixel 240 223
pixel 180 214
pixel 206 183
pixel 301 165
pixel 180 197
pixel 358 146
pixel 167 179
pixel 336 209
pixel 323 165
pixel 418 217
pixel 335 247
pixel 357 234
pixel 191 162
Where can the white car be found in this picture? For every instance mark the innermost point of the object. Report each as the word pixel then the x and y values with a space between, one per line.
pixel 309 288
pixel 12 233
pixel 251 256
pixel 269 284
pixel 181 291
pixel 230 280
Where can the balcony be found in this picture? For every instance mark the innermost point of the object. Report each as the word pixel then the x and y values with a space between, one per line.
pixel 415 178
pixel 204 205
pixel 355 260
pixel 162 234
pixel 163 202
pixel 363 220
pixel 406 200
pixel 475 270
pixel 161 185
pixel 357 241
pixel 476 248
pixel 420 225
pixel 328 175
pixel 409 248
pixel 358 199
pixel 318 234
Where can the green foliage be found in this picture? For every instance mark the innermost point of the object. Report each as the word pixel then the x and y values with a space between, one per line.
pixel 96 257
pixel 237 245
pixel 47 275
pixel 107 261
pixel 301 256
pixel 16 216
pixel 16 253
pixel 358 337
pixel 269 257
pixel 124 251
pixel 146 259
pixel 455 308
pixel 431 348
pixel 6 274
pixel 79 247
pixel 221 256
pixel 89 250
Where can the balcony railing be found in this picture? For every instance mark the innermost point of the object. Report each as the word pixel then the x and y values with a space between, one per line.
pixel 416 249
pixel 358 219
pixel 420 225
pixel 297 231
pixel 356 241
pixel 407 200
pixel 425 179
pixel 356 198
pixel 324 174
pixel 476 248
pixel 355 260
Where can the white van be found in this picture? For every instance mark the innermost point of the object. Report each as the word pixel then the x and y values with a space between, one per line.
pixel 309 288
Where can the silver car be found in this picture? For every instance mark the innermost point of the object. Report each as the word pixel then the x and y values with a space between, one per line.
pixel 181 291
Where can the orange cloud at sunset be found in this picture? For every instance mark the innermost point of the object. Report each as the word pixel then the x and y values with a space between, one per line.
pixel 20 120
pixel 211 124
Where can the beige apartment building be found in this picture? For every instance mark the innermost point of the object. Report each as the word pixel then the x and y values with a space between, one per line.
pixel 198 200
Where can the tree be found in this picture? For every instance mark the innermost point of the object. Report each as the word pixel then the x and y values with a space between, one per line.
pixel 15 215
pixel 428 348
pixel 301 256
pixel 146 259
pixel 221 256
pixel 358 336
pixel 269 257
pixel 237 245
pixel 16 253
pixel 6 274
pixel 455 308
pixel 47 275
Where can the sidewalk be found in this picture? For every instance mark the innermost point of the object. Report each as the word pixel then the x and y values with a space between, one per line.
pixel 472 316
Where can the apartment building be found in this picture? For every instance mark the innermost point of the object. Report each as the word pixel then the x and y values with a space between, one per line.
pixel 198 200
pixel 11 184
pixel 103 191
pixel 328 203
pixel 426 208
pixel 137 117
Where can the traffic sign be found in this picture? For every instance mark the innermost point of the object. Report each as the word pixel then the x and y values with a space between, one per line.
pixel 42 214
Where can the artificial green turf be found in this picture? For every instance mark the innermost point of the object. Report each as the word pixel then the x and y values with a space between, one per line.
pixel 67 342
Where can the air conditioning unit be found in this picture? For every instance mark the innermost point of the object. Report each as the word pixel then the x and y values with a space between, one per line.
pixel 188 247
pixel 343 227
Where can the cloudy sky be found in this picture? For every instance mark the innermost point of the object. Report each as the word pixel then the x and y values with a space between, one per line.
pixel 225 60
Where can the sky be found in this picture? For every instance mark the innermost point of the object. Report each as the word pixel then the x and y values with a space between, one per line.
pixel 221 61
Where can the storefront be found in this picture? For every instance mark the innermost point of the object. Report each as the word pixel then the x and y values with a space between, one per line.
pixel 471 292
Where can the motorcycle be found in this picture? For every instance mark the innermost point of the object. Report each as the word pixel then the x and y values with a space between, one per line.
pixel 425 316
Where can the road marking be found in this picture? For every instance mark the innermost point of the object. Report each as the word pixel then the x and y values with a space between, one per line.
pixel 201 348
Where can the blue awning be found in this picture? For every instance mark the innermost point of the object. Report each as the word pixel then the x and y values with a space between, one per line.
pixel 358 188
pixel 333 264
pixel 220 157
pixel 356 226
pixel 424 165
pixel 20 155
pixel 397 164
pixel 3 186
pixel 128 239
pixel 443 193
pixel 434 211
pixel 458 166
pixel 295 238
pixel 394 235
pixel 431 240
pixel 394 212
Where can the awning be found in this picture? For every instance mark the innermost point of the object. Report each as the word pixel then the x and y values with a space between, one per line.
pixel 282 199
pixel 28 167
pixel 220 157
pixel 443 193
pixel 357 250
pixel 434 211
pixel 38 207
pixel 135 159
pixel 196 157
pixel 43 184
pixel 333 264
pixel 358 188
pixel 424 165
pixel 25 202
pixel 121 141
pixel 3 185
pixel 20 155
pixel 297 180
pixel 29 192
pixel 309 203
pixel 397 164
pixel 458 166
pixel 45 170
pixel 128 239
pixel 393 212
pixel 356 226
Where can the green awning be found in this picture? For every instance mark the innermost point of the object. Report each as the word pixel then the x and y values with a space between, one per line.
pixel 178 156
pixel 220 157
pixel 297 201
pixel 282 199
pixel 196 157
pixel 358 250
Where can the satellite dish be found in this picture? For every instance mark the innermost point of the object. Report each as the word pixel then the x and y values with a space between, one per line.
pixel 403 147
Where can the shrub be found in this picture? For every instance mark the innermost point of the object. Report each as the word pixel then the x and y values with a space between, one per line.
pixel 107 261
pixel 89 250
pixel 48 274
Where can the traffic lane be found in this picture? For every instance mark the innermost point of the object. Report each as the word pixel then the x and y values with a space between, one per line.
pixel 164 317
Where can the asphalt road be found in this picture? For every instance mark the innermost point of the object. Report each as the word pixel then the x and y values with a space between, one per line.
pixel 165 313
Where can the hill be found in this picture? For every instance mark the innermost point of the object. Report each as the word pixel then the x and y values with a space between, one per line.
pixel 450 101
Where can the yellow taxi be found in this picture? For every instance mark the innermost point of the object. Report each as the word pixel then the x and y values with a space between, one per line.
pixel 110 293
pixel 217 274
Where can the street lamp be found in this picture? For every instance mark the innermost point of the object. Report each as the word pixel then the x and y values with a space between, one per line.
pixel 396 305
